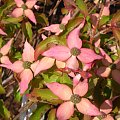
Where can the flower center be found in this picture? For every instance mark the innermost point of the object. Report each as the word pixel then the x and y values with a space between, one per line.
pixel 24 7
pixel 27 65
pixel 102 116
pixel 75 51
pixel 75 98
pixel 62 26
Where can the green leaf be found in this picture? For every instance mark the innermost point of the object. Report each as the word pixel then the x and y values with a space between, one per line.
pixel 2 90
pixel 3 111
pixel 65 79
pixel 17 96
pixel 104 20
pixel 1 41
pixel 42 19
pixel 52 78
pixel 40 111
pixel 69 27
pixel 52 115
pixel 12 20
pixel 29 30
pixel 74 118
pixel 47 95
pixel 18 55
pixel 44 45
pixel 6 6
pixel 82 6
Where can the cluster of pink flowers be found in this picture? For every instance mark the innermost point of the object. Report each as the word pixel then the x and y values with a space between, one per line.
pixel 28 67
pixel 64 56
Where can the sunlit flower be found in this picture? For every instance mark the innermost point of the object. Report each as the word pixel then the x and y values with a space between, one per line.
pixel 4 51
pixel 24 9
pixel 58 28
pixel 71 98
pixel 72 51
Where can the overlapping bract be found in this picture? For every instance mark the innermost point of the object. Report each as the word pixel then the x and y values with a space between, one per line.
pixel 72 51
pixel 27 67
pixel 66 109
pixel 25 9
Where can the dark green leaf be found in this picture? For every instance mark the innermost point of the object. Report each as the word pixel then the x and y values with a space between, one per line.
pixel 42 19
pixel 44 45
pixel 12 20
pixel 40 111
pixel 82 7
pixel 29 30
pixel 5 7
pixel 104 20
pixel 65 79
pixel 47 95
pixel 3 111
pixel 52 114
pixel 2 90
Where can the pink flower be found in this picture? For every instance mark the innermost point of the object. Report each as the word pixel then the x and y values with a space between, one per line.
pixel 71 98
pixel 24 8
pixel 105 108
pixel 69 5
pixel 4 51
pixel 44 64
pixel 28 67
pixel 105 70
pixel 2 32
pixel 25 67
pixel 106 11
pixel 72 51
pixel 58 28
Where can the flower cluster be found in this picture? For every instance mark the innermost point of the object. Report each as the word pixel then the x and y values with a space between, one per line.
pixel 85 62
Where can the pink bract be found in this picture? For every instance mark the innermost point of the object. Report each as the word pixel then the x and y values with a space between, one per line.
pixel 56 28
pixel 2 32
pixel 25 8
pixel 4 59
pixel 27 66
pixel 24 66
pixel 66 109
pixel 73 51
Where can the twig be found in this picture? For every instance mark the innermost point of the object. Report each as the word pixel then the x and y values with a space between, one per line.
pixel 91 39
pixel 103 31
pixel 7 80
pixel 75 13
pixel 23 109
pixel 52 11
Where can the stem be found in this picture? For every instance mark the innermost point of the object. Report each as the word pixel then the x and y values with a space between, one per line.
pixel 94 31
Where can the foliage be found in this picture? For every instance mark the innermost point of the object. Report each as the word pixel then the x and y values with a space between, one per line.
pixel 64 56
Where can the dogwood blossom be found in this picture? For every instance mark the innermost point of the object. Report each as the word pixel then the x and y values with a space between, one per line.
pixel 27 67
pixel 24 9
pixel 72 51
pixel 4 59
pixel 71 98
pixel 58 28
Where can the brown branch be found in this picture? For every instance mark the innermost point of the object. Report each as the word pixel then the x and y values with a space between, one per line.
pixel 98 19
pixel 52 11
